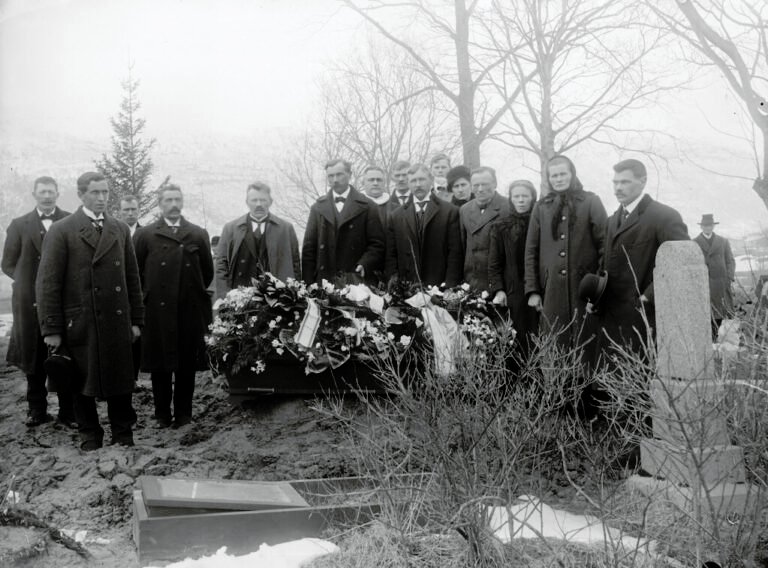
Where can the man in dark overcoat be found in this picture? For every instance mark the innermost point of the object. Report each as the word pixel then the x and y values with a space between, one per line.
pixel 176 267
pixel 89 302
pixel 476 218
pixel 344 240
pixel 722 270
pixel 255 243
pixel 21 259
pixel 423 237
pixel 633 235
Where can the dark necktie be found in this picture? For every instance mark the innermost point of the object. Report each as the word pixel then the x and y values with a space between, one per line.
pixel 403 199
pixel 97 224
pixel 257 230
pixel 623 216
pixel 339 200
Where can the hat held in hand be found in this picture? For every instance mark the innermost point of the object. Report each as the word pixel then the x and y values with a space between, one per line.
pixel 592 286
pixel 59 368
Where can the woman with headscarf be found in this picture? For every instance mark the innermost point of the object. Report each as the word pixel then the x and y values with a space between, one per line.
pixel 506 261
pixel 564 242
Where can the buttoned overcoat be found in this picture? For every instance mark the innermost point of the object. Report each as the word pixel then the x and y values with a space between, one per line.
pixel 176 269
pixel 334 246
pixel 431 256
pixel 555 264
pixel 722 270
pixel 629 259
pixel 21 259
pixel 282 251
pixel 476 238
pixel 88 292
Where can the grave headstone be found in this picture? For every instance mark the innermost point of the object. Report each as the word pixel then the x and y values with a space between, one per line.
pixel 690 455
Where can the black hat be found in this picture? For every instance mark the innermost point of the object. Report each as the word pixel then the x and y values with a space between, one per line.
pixel 592 286
pixel 455 174
pixel 708 219
pixel 60 369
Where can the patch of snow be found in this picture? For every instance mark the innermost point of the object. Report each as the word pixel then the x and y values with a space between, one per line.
pixel 293 554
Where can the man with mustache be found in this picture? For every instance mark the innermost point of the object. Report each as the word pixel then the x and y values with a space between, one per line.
pixel 633 235
pixel 174 258
pixel 255 243
pixel 21 258
pixel 344 240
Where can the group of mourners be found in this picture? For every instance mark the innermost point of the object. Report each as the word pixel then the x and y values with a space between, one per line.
pixel 97 297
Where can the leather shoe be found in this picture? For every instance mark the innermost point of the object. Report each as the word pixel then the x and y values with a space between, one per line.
pixel 180 421
pixel 37 418
pixel 90 445
pixel 67 422
pixel 163 422
pixel 125 440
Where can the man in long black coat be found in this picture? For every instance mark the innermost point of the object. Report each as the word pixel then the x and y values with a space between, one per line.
pixel 722 270
pixel 174 258
pixel 89 302
pixel 423 237
pixel 21 259
pixel 634 234
pixel 344 239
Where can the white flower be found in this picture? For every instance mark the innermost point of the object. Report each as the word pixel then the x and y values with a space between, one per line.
pixel 218 303
pixel 390 336
pixel 405 341
pixel 276 343
pixel 484 295
pixel 358 293
pixel 465 287
pixel 279 350
pixel 272 324
pixel 260 367
pixel 344 348
pixel 327 286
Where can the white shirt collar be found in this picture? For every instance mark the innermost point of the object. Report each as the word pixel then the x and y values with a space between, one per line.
pixel 345 195
pixel 40 213
pixel 707 236
pixel 631 206
pixel 90 214
pixel 170 223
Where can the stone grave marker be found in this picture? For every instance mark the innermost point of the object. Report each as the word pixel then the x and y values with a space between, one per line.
pixel 690 455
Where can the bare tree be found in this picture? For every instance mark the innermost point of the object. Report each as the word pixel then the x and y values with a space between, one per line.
pixel 457 64
pixel 732 37
pixel 580 65
pixel 374 108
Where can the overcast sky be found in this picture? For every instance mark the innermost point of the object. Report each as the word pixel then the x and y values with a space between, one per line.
pixel 221 69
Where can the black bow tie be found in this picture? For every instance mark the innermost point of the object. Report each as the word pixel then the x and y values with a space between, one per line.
pixel 48 217
pixel 340 199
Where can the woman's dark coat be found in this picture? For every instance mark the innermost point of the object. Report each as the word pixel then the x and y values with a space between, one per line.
pixel 555 264
pixel 506 270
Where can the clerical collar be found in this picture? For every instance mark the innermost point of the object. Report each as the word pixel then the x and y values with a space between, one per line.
pixel 90 214
pixel 343 195
pixel 631 206
pixel 41 214
pixel 381 199
pixel 170 223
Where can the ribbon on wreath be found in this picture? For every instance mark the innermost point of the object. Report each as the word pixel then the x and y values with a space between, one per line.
pixel 309 325
pixel 447 338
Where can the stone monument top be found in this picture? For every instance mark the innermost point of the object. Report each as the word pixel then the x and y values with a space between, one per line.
pixel 681 300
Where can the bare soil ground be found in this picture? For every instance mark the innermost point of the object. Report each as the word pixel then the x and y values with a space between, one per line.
pixel 274 439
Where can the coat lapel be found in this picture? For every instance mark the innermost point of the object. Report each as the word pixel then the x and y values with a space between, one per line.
pixel 634 217
pixel 243 226
pixel 87 232
pixel 432 208
pixel 356 203
pixel 327 208
pixel 35 229
pixel 271 236
pixel 480 220
pixel 108 237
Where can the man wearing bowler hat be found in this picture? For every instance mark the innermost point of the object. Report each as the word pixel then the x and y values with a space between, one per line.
pixel 722 269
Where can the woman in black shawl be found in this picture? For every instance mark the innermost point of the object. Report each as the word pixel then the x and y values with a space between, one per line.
pixel 506 261
pixel 565 242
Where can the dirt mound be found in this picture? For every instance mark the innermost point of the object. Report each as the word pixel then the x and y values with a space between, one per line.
pixel 89 494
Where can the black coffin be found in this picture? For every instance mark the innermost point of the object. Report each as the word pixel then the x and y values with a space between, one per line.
pixel 286 376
